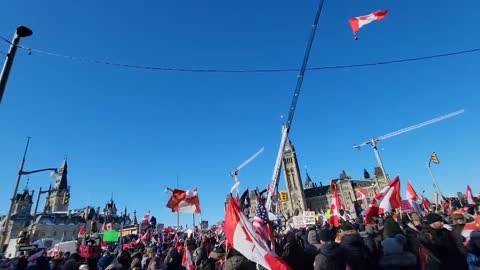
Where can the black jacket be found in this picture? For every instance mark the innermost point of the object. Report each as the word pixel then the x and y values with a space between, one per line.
pixel 330 257
pixel 357 254
pixel 402 261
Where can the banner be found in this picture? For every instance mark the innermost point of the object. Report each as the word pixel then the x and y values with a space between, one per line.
pixel 110 236
pixel 298 222
pixel 407 207
pixel 309 218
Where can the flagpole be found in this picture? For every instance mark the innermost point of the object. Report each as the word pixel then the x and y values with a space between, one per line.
pixel 435 183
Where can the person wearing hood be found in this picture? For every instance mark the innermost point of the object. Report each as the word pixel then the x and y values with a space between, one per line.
pixel 473 249
pixel 236 261
pixel 331 255
pixel 357 255
pixel 394 255
pixel 438 246
pixel 105 260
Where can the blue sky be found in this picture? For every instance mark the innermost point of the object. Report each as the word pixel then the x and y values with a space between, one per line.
pixel 131 132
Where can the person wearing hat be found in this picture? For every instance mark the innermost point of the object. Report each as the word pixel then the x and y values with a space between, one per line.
pixel 331 255
pixel 395 256
pixel 441 246
pixel 357 254
pixel 473 255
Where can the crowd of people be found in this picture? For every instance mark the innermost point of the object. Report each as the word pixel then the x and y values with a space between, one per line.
pixel 433 241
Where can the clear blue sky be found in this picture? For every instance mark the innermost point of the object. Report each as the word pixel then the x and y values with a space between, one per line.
pixel 131 132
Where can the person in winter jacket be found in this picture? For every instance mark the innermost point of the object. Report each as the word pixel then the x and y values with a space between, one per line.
pixel 394 255
pixel 331 255
pixel 73 262
pixel 438 247
pixel 372 240
pixel 357 255
pixel 473 251
pixel 293 254
pixel 236 261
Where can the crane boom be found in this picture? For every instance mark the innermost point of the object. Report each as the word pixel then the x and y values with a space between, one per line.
pixel 250 159
pixel 293 106
pixel 411 128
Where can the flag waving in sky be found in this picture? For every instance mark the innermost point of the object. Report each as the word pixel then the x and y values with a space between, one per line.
pixel 334 208
pixel 358 22
pixel 242 236
pixel 387 200
pixel 411 194
pixel 184 201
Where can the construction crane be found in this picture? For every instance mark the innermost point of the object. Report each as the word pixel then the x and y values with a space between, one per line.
pixel 286 128
pixel 374 142
pixel 235 172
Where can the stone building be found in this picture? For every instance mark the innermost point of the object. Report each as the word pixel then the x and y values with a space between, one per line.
pixel 58 198
pixel 296 203
pixel 21 216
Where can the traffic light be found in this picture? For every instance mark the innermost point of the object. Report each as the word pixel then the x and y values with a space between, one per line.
pixel 435 158
pixel 283 196
pixel 66 197
pixel 22 237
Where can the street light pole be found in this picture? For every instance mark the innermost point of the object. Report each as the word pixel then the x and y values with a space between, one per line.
pixel 21 32
pixel 13 200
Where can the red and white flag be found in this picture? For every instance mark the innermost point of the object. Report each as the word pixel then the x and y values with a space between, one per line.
pixel 469 196
pixel 361 193
pixel 146 237
pixel 146 218
pixel 243 237
pixel 385 201
pixel 470 227
pixel 81 233
pixel 426 203
pixel 184 201
pixel 334 208
pixel 358 22
pixel 411 194
pixel 108 227
pixel 187 261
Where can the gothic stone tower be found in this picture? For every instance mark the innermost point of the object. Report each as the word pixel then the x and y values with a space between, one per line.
pixel 296 198
pixel 56 196
pixel 22 207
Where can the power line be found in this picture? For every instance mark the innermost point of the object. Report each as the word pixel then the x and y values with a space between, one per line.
pixel 202 70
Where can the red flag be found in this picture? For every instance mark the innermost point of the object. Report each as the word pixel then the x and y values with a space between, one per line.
pixel 146 218
pixel 242 236
pixel 411 194
pixel 358 22
pixel 385 201
pixel 187 261
pixel 81 233
pixel 262 223
pixel 426 204
pixel 469 196
pixel 361 193
pixel 470 227
pixel 103 244
pixel 184 201
pixel 334 207
pixel 146 237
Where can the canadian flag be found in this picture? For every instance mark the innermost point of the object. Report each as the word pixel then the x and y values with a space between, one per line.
pixel 243 237
pixel 108 227
pixel 361 193
pixel 360 21
pixel 334 207
pixel 187 261
pixel 81 233
pixel 146 237
pixel 146 218
pixel 385 201
pixel 411 194
pixel 103 244
pixel 184 201
pixel 426 204
pixel 469 196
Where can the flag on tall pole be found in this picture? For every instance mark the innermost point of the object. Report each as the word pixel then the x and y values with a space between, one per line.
pixel 411 194
pixel 360 21
pixel 334 208
pixel 242 236
pixel 469 196
pixel 184 201
pixel 385 201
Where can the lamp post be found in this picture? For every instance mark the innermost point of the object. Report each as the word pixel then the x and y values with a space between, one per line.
pixel 13 200
pixel 169 190
pixel 21 32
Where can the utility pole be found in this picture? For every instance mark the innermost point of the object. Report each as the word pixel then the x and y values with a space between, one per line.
pixel 21 32
pixel 12 203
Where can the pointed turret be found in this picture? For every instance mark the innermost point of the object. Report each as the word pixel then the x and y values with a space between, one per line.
pixel 61 181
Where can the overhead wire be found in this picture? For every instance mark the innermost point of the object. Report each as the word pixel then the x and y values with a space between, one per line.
pixel 253 70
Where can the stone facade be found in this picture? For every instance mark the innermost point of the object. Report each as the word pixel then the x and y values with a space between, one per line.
pixel 296 203
pixel 56 201
pixel 22 207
